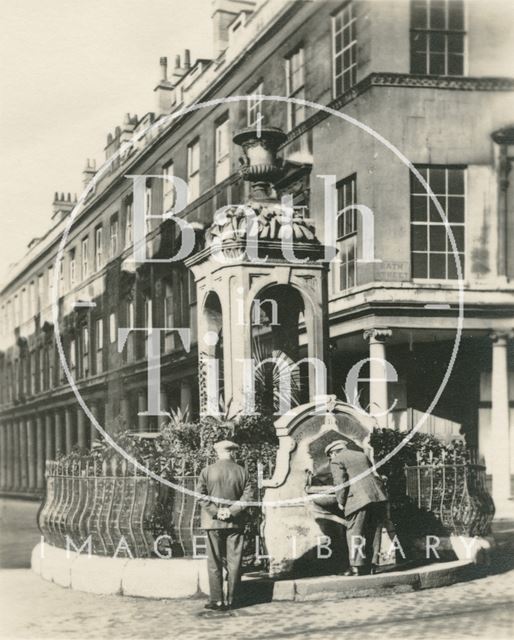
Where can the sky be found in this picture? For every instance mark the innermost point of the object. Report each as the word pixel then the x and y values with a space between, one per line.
pixel 69 71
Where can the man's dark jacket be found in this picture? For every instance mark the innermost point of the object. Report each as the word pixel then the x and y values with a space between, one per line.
pixel 227 480
pixel 347 464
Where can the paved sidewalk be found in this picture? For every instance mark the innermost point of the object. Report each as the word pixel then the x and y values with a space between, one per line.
pixel 35 609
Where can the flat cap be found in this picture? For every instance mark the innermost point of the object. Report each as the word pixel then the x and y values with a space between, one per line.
pixel 225 445
pixel 335 445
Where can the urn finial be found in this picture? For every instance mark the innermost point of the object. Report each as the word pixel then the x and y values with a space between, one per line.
pixel 259 164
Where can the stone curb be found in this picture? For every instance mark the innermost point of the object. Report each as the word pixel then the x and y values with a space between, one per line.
pixel 339 587
pixel 187 577
pixel 145 578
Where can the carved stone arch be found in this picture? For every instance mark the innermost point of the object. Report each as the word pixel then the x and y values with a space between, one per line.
pixel 266 282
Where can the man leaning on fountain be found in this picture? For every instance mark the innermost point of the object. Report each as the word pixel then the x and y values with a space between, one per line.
pixel 363 503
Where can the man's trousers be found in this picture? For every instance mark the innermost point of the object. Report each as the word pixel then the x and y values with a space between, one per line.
pixel 364 534
pixel 224 546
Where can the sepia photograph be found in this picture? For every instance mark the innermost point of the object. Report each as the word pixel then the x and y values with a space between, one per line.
pixel 257 319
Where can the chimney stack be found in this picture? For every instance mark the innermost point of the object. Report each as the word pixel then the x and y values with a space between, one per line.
pixel 164 68
pixel 187 59
pixel 88 172
pixel 62 205
pixel 224 12
pixel 164 89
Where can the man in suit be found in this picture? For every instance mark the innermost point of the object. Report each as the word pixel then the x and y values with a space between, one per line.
pixel 222 522
pixel 363 503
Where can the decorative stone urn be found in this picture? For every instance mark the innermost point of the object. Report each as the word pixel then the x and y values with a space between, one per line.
pixel 261 167
pixel 299 499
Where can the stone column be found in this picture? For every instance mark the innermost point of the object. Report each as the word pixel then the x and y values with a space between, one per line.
pixel 81 428
pixel 142 420
pixel 378 397
pixel 186 399
pixel 31 452
pixel 16 457
pixel 163 402
pixel 3 455
pixel 49 437
pixel 59 433
pixel 68 426
pixel 500 467
pixel 41 454
pixel 24 455
pixel 237 343
pixel 93 432
pixel 125 411
pixel 10 455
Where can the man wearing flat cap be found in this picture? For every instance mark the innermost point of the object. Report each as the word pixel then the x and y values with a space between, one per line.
pixel 363 503
pixel 226 487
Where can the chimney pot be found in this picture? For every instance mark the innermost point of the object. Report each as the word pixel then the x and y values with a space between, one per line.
pixel 187 59
pixel 164 67
pixel 177 62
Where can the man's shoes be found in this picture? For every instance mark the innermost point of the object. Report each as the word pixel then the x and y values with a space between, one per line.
pixel 357 571
pixel 215 606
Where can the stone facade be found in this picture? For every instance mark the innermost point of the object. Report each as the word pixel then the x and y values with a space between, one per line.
pixel 442 123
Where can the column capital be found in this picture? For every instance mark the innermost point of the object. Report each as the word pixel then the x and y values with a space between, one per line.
pixel 501 337
pixel 377 334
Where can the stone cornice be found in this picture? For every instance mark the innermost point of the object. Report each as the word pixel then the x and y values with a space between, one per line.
pixel 455 83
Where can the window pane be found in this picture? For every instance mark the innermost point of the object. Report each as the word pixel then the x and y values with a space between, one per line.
pixel 452 267
pixel 435 215
pixel 351 274
pixel 437 238
pixel 456 42
pixel 419 208
pixel 419 237
pixel 458 234
pixel 437 41
pixel 419 13
pixel 455 64
pixel 437 265
pixel 419 42
pixel 455 181
pixel 415 184
pixel 437 14
pixel 437 64
pixel 419 265
pixel 419 63
pixel 456 14
pixel 437 181
pixel 455 210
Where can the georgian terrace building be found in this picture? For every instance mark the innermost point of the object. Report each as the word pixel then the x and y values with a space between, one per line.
pixel 435 79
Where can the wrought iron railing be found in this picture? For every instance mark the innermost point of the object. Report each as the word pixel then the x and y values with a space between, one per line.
pixel 112 507
pixel 455 494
